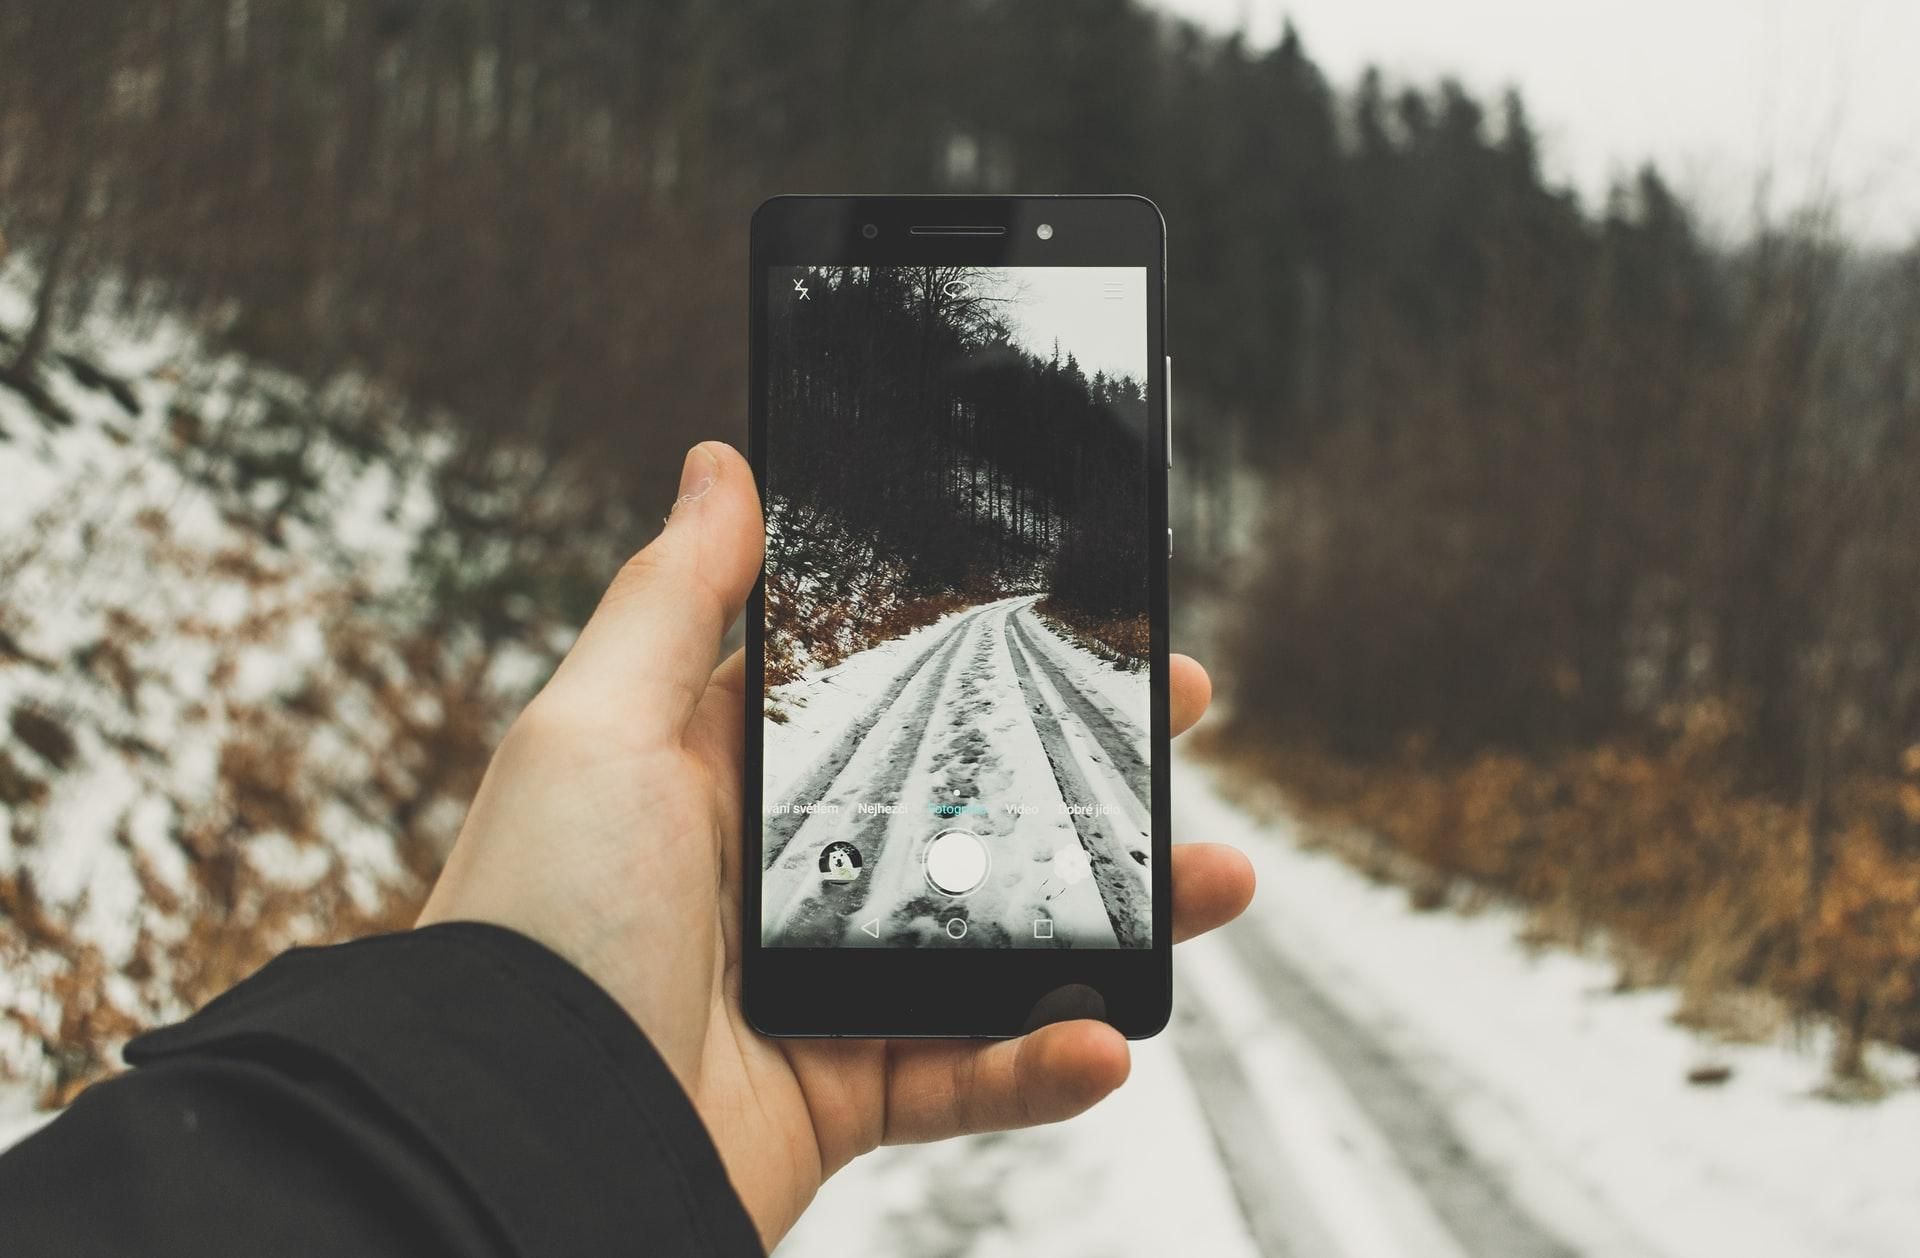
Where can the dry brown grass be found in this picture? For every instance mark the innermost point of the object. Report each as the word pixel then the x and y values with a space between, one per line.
pixel 1123 640
pixel 817 629
pixel 796 642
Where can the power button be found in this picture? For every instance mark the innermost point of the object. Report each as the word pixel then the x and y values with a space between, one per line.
pixel 1169 412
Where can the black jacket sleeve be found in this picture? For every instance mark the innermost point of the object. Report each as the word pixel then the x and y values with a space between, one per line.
pixel 457 1090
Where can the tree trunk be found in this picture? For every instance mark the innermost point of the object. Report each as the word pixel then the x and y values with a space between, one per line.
pixel 46 299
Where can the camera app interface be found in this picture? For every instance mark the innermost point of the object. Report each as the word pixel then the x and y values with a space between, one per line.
pixel 957 634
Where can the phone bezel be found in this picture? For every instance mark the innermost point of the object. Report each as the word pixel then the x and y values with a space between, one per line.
pixel 962 992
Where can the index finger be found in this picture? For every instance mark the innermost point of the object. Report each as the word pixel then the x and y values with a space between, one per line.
pixel 1189 690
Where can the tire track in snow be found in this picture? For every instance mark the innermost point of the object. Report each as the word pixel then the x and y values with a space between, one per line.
pixel 1127 896
pixel 1276 1208
pixel 778 831
pixel 1117 739
pixel 1466 1195
pixel 819 917
pixel 959 752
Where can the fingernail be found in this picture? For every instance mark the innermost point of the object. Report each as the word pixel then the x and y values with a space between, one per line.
pixel 696 476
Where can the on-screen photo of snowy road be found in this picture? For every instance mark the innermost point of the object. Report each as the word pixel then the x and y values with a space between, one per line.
pixel 956 639
pixel 989 723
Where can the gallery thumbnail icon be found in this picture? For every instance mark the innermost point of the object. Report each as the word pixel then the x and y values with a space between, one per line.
pixel 840 862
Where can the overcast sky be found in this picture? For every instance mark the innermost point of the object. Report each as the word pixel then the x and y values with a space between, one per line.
pixel 1098 313
pixel 1825 94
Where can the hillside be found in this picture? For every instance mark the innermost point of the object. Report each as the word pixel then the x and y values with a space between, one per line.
pixel 232 722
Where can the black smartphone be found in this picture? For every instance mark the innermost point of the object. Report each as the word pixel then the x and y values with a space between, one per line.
pixel 956 686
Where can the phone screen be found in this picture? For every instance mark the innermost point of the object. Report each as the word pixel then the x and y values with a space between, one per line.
pixel 957 631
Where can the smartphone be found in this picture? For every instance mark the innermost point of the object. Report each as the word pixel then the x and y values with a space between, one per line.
pixel 956 686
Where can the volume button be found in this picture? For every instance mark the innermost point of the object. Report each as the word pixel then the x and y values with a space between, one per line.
pixel 1169 412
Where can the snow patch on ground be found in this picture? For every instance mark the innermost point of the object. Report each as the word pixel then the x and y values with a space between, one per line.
pixel 1137 1177
pixel 821 705
pixel 1122 690
pixel 1578 1092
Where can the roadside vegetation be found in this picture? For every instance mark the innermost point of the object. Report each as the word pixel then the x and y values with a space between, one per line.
pixel 1616 610
pixel 1124 641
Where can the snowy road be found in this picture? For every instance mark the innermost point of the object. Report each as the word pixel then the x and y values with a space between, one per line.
pixel 1332 1143
pixel 1347 1077
pixel 992 722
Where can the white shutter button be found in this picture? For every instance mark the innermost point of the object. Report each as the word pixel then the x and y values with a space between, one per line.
pixel 956 862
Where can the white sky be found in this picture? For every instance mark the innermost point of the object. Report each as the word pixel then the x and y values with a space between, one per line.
pixel 1824 94
pixel 1099 314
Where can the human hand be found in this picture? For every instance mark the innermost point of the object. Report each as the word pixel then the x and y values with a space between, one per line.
pixel 608 828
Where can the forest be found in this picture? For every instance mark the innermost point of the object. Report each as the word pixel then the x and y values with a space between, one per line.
pixel 1566 544
pixel 904 416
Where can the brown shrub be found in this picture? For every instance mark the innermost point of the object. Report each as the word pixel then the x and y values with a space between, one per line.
pixel 1123 640
pixel 17 786
pixel 804 632
pixel 46 736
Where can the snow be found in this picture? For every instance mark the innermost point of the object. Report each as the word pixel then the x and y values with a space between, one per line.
pixel 1579 1094
pixel 822 704
pixel 1137 1177
pixel 1349 1175
pixel 1571 1097
pixel 954 726
pixel 165 624
pixel 1109 791
pixel 76 554
pixel 1122 691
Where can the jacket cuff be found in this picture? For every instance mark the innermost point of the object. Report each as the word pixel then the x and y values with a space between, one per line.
pixel 526 1079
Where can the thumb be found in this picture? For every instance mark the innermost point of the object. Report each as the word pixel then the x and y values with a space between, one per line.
pixel 652 643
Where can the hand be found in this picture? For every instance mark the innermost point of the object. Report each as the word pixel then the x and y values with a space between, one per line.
pixel 608 828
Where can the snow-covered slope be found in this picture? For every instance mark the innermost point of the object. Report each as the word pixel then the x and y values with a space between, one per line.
pixel 222 727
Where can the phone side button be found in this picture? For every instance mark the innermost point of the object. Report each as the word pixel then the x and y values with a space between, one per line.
pixel 1169 541
pixel 1169 412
